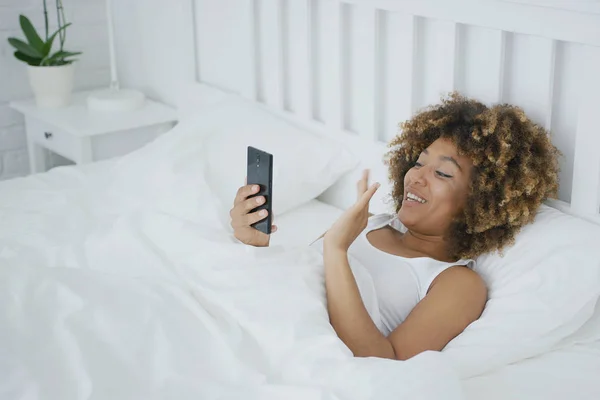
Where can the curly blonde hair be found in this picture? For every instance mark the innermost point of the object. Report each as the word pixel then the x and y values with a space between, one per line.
pixel 515 168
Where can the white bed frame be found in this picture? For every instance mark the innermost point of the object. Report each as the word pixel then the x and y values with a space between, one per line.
pixel 354 69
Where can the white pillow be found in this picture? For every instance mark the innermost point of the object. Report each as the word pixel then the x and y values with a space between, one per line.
pixel 543 290
pixel 194 170
pixel 304 163
pixel 166 175
pixel 304 224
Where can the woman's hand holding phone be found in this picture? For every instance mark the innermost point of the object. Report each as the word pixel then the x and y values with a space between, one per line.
pixel 242 218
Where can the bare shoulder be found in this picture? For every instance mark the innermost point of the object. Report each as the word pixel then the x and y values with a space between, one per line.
pixel 462 282
pixel 455 299
pixel 463 276
pixel 461 293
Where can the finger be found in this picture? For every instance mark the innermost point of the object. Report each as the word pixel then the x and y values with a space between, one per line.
pixel 368 194
pixel 238 213
pixel 362 184
pixel 243 193
pixel 242 221
pixel 250 204
pixel 255 217
pixel 273 228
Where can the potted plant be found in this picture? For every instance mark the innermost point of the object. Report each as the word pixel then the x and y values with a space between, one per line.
pixel 50 73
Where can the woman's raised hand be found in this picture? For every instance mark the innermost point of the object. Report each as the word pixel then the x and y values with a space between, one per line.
pixel 354 220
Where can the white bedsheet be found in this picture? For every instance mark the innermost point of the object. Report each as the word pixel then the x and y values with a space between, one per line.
pixel 103 298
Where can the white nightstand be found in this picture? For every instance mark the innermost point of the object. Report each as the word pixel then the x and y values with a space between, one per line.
pixel 83 136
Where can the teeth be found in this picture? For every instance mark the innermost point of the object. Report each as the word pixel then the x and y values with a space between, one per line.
pixel 415 197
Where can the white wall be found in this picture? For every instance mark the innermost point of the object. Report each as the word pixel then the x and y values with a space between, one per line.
pixel 155 49
pixel 88 34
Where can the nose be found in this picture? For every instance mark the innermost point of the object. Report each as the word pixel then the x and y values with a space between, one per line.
pixel 419 176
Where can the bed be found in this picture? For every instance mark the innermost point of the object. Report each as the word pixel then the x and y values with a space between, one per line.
pixel 121 279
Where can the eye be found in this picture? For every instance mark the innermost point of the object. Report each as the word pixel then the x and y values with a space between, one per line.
pixel 418 165
pixel 443 175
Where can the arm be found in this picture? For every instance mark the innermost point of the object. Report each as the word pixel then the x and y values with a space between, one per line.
pixel 456 298
pixel 347 313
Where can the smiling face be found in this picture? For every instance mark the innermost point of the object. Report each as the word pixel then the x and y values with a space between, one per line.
pixel 435 189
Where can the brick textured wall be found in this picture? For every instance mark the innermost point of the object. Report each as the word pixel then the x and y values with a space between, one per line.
pixel 87 34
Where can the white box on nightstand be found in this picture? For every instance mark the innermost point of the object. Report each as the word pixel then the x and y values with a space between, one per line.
pixel 84 136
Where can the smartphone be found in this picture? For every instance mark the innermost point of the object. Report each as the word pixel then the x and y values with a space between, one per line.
pixel 260 172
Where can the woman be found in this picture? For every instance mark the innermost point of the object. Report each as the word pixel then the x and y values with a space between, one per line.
pixel 466 178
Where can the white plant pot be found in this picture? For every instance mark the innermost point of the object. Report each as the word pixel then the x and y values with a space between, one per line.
pixel 52 86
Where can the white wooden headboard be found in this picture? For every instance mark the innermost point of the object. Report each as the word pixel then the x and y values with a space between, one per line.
pixel 356 68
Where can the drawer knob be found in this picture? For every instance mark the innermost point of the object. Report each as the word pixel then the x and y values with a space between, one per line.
pixel 48 135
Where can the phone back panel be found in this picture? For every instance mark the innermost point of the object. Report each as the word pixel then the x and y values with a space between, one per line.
pixel 260 172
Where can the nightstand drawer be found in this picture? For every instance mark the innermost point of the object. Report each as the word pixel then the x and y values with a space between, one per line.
pixel 53 138
pixel 82 136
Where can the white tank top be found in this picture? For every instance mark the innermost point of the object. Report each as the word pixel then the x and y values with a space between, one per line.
pixel 399 282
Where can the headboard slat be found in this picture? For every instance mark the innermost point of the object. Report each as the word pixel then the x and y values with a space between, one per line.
pixel 529 75
pixel 271 52
pixel 481 63
pixel 551 79
pixel 364 56
pixel 437 45
pixel 330 64
pixel 298 63
pixel 397 70
pixel 248 71
pixel 585 195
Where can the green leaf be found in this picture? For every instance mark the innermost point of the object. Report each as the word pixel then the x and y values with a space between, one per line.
pixel 25 48
pixel 65 54
pixel 29 60
pixel 30 33
pixel 48 46
pixel 50 41
pixel 58 58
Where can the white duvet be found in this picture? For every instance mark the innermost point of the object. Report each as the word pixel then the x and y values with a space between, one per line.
pixel 119 281
pixel 101 298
